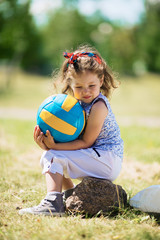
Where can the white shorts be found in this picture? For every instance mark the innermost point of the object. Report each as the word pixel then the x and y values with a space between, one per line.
pixel 81 163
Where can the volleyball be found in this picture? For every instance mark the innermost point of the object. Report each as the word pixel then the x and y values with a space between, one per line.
pixel 63 116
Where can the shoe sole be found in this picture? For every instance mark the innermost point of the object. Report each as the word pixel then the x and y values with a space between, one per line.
pixel 44 213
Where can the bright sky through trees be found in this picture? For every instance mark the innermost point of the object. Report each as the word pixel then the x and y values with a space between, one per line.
pixel 124 11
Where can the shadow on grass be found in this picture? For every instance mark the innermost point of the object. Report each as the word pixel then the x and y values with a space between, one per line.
pixel 124 213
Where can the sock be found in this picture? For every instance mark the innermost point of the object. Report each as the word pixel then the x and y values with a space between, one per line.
pixel 74 185
pixel 54 192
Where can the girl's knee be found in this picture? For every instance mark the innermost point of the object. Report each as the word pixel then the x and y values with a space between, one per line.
pixel 51 163
pixel 46 157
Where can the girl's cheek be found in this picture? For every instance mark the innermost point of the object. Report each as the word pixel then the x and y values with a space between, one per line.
pixel 76 95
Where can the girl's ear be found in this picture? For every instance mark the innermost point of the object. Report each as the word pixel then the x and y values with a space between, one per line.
pixel 101 81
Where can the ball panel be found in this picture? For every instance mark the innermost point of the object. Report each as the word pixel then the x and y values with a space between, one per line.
pixel 58 136
pixel 57 123
pixel 56 110
pixel 82 120
pixel 46 102
pixel 70 117
pixel 59 99
pixel 69 103
pixel 80 123
pixel 76 110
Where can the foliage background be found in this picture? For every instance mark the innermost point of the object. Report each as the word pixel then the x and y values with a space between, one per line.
pixel 38 48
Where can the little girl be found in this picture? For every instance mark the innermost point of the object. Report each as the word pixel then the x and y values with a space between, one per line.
pixel 99 151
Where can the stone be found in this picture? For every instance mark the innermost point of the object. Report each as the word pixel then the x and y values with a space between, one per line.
pixel 95 196
pixel 147 200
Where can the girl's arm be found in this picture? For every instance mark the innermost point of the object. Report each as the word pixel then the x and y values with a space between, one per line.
pixel 95 122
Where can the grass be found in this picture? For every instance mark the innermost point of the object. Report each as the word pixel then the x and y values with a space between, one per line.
pixel 23 185
pixel 138 96
pixel 26 91
pixel 135 97
pixel 142 143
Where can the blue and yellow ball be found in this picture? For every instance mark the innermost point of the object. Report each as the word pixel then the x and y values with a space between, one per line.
pixel 63 116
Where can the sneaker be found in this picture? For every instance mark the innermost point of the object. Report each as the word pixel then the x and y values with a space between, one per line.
pixel 52 205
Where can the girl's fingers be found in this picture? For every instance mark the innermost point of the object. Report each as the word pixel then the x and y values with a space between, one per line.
pixel 37 133
pixel 48 133
pixel 34 133
pixel 40 135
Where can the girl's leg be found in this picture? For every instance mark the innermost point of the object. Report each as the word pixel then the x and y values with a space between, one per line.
pixel 67 183
pixel 52 204
pixel 68 188
pixel 54 182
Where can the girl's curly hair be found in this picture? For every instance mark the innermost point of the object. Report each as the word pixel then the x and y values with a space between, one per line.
pixel 83 64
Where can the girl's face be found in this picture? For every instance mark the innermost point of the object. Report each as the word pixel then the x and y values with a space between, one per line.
pixel 86 86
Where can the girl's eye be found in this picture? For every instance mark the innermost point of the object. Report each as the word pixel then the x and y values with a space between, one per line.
pixel 91 85
pixel 78 87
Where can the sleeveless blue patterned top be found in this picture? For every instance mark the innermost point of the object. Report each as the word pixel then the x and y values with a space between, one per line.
pixel 109 138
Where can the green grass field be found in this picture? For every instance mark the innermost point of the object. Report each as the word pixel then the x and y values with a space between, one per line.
pixel 23 185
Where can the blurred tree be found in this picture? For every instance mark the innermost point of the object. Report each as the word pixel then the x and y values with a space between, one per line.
pixel 39 49
pixel 148 36
pixel 20 42
pixel 118 48
pixel 66 30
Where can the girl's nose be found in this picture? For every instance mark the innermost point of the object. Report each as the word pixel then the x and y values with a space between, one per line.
pixel 85 90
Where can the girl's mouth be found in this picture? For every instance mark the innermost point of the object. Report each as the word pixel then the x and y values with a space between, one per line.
pixel 86 97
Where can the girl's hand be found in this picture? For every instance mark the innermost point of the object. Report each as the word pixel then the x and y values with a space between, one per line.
pixel 49 141
pixel 39 138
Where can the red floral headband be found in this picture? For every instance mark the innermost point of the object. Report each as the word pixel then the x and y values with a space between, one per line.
pixel 73 57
